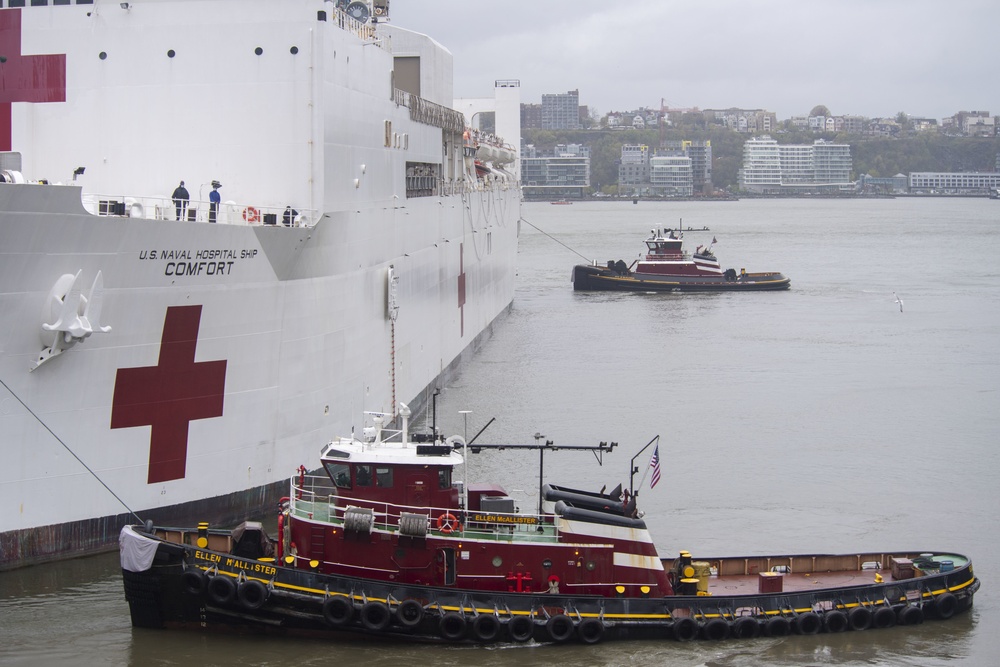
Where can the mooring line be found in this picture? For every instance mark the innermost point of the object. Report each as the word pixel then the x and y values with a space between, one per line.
pixel 59 440
pixel 589 261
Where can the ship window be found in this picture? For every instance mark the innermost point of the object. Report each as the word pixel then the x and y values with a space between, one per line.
pixel 383 478
pixel 363 475
pixel 444 478
pixel 340 473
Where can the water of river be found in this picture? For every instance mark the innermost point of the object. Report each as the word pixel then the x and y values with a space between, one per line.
pixel 822 419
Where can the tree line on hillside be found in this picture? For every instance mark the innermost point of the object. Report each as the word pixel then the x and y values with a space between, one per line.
pixel 878 157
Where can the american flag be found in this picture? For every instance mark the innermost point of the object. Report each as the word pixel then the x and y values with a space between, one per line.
pixel 655 463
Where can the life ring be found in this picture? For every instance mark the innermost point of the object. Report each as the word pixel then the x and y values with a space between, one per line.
pixel 884 617
pixel 194 581
pixel 910 615
pixel 520 629
pixel 860 618
pixel 777 627
pixel 590 630
pixel 560 628
pixel 221 589
pixel 716 629
pixel 338 611
pixel 251 215
pixel 375 616
pixel 252 594
pixel 945 605
pixel 685 629
pixel 746 628
pixel 452 626
pixel 835 621
pixel 447 523
pixel 409 613
pixel 486 628
pixel 808 623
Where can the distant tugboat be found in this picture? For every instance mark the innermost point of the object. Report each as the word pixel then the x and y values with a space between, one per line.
pixel 389 542
pixel 668 268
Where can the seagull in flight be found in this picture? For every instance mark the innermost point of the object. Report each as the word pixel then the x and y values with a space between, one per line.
pixel 899 301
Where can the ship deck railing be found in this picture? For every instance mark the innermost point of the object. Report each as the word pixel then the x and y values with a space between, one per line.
pixel 313 498
pixel 195 210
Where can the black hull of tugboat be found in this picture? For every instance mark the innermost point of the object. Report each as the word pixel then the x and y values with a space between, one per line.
pixel 598 279
pixel 191 588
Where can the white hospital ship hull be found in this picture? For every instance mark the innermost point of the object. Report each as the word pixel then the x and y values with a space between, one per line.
pixel 182 368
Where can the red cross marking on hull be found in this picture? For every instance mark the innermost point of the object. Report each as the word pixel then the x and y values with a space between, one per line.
pixel 171 394
pixel 40 78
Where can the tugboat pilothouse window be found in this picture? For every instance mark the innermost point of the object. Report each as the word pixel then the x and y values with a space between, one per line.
pixel 383 478
pixel 444 478
pixel 363 475
pixel 340 473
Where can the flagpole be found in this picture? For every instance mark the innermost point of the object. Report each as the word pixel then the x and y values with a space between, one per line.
pixel 634 470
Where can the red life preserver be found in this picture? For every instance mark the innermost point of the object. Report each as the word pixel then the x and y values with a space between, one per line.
pixel 447 523
pixel 251 215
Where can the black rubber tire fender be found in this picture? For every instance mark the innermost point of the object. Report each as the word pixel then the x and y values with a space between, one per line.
pixel 860 618
pixel 808 623
pixel 252 594
pixel 778 626
pixel 884 617
pixel 910 615
pixel 375 616
pixel 945 605
pixel 716 629
pixel 560 628
pixel 746 628
pixel 452 626
pixel 685 629
pixel 409 613
pixel 520 629
pixel 835 621
pixel 338 611
pixel 590 630
pixel 221 590
pixel 194 581
pixel 486 628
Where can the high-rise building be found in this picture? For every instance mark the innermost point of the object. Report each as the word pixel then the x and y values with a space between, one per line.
pixel 561 111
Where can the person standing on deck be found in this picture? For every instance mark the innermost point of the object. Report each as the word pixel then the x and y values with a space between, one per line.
pixel 214 199
pixel 181 198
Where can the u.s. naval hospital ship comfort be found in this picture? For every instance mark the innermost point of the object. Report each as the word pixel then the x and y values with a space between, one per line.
pixel 341 237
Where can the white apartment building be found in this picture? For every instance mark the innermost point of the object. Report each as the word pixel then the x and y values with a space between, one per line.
pixel 771 167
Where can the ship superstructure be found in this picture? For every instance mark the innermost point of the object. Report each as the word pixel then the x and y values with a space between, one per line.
pixel 336 248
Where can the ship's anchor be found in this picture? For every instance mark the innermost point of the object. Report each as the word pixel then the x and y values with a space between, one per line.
pixel 73 315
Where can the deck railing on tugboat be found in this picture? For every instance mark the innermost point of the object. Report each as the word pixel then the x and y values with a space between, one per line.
pixel 312 497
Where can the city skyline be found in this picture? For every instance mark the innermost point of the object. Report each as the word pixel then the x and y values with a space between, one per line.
pixel 870 58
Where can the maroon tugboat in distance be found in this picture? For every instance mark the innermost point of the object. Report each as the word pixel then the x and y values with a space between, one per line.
pixel 667 267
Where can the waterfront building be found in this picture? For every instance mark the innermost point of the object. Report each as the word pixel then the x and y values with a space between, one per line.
pixel 945 182
pixel 769 167
pixel 564 174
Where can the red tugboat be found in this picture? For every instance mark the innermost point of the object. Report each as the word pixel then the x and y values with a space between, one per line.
pixel 668 268
pixel 387 542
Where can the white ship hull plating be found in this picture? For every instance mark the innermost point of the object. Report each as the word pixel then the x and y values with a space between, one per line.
pixel 235 351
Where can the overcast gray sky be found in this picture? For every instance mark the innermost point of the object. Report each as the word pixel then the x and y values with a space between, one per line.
pixel 862 57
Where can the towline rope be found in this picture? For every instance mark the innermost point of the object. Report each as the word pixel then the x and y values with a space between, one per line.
pixel 589 261
pixel 59 440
